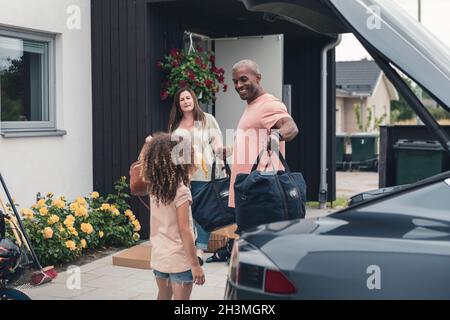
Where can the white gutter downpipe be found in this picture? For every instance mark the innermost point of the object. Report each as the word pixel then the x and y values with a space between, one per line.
pixel 323 188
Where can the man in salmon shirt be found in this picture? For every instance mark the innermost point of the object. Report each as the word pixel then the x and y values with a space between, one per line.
pixel 264 116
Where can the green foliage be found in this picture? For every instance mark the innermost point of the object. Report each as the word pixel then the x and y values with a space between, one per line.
pixel 400 110
pixel 340 202
pixel 365 126
pixel 439 113
pixel 195 69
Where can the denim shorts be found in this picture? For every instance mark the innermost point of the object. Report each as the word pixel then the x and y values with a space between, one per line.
pixel 179 277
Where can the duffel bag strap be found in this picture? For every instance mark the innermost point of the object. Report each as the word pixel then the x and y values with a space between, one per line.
pixel 213 168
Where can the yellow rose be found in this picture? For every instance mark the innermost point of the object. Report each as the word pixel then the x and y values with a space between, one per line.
pixel 87 228
pixel 74 206
pixel 101 234
pixel 71 245
pixel 132 218
pixel 105 206
pixel 81 201
pixel 43 211
pixel 41 203
pixel 58 203
pixel 81 212
pixel 53 219
pixel 69 221
pixel 73 231
pixel 115 212
pixel 137 226
pixel 48 233
pixel 128 213
pixel 95 195
pixel 136 236
pixel 27 213
pixel 83 243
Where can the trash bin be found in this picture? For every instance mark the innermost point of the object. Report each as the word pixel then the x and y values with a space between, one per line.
pixel 341 163
pixel 364 151
pixel 417 160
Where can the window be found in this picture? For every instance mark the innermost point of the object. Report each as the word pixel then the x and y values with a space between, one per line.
pixel 27 100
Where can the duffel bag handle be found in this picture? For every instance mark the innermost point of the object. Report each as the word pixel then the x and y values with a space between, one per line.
pixel 213 168
pixel 280 156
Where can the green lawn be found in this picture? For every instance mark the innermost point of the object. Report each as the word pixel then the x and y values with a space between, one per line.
pixel 340 202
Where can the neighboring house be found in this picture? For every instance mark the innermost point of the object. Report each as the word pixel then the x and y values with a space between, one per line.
pixel 46 101
pixel 363 84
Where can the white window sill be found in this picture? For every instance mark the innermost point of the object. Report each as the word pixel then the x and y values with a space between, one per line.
pixel 36 133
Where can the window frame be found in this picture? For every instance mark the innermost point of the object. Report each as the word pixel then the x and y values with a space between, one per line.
pixel 50 64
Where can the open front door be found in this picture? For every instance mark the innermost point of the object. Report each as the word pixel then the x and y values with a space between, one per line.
pixel 267 52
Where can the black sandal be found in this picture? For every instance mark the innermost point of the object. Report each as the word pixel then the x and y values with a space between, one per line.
pixel 221 255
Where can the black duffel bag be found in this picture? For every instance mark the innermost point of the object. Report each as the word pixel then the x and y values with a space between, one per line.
pixel 210 204
pixel 269 196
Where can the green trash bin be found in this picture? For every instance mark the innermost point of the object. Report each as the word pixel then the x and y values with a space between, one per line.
pixel 340 151
pixel 417 160
pixel 364 151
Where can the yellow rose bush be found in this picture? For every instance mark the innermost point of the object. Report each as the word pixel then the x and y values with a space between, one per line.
pixel 62 231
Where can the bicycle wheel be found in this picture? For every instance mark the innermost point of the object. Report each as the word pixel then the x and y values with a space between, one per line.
pixel 12 294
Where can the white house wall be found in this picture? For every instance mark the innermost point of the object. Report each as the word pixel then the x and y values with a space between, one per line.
pixel 350 123
pixel 62 165
pixel 381 101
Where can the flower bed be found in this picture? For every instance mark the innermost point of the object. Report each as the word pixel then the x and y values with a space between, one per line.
pixel 62 231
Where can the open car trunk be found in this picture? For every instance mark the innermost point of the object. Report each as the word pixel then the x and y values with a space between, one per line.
pixel 394 39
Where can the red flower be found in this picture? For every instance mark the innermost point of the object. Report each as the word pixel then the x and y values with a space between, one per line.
pixel 174 52
pixel 221 78
pixel 191 75
pixel 212 58
pixel 208 82
pixel 174 63
pixel 213 69
pixel 164 95
pixel 198 61
pixel 221 71
pixel 225 88
pixel 200 49
pixel 182 83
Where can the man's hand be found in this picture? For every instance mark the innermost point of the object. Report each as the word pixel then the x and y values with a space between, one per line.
pixel 273 144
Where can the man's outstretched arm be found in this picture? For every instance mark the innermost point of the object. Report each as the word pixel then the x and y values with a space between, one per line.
pixel 287 128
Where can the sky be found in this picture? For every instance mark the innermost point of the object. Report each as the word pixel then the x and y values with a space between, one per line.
pixel 434 17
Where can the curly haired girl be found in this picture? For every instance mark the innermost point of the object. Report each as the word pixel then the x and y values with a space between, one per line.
pixel 173 259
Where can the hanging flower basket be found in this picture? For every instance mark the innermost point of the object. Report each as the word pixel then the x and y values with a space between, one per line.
pixel 195 69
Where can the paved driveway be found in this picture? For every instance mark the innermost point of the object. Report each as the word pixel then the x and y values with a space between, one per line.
pixel 101 280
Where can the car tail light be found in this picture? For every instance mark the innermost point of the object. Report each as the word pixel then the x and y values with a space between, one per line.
pixel 276 282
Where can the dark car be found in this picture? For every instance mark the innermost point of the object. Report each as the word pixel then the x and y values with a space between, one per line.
pixel 394 246
pixel 392 243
